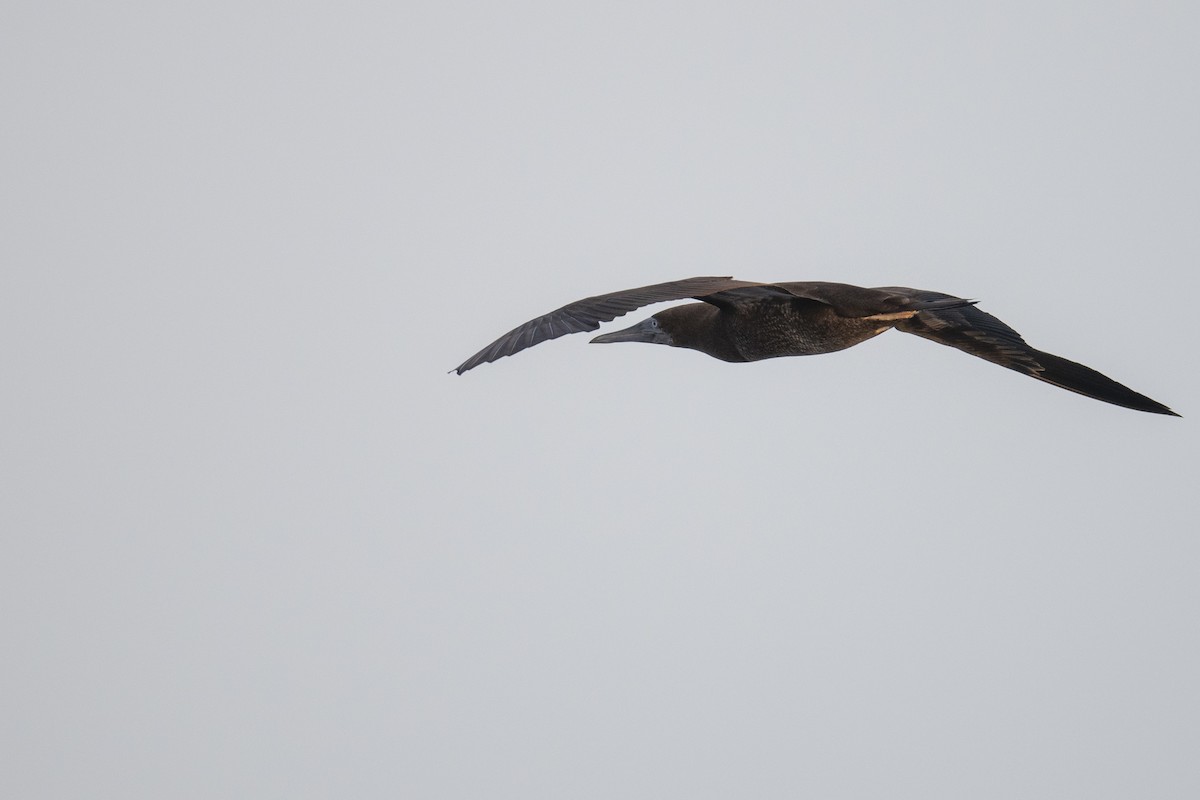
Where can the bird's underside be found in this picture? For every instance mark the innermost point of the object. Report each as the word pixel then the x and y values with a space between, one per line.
pixel 747 321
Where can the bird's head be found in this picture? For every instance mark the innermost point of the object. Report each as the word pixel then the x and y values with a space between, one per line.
pixel 652 330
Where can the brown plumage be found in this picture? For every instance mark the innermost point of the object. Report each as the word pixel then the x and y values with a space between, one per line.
pixel 747 321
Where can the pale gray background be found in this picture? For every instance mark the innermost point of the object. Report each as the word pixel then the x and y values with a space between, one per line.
pixel 258 544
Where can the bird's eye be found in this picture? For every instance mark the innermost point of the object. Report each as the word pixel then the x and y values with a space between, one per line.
pixel 653 322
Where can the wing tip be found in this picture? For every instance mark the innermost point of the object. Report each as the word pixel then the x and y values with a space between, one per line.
pixel 1164 411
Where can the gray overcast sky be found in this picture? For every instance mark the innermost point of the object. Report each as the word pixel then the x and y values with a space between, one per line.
pixel 258 544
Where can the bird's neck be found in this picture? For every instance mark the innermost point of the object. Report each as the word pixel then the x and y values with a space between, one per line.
pixel 702 327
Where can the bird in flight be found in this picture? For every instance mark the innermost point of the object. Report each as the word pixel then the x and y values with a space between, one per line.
pixel 747 321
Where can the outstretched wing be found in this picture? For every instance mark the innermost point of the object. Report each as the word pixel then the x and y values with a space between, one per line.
pixel 892 302
pixel 588 313
pixel 980 334
pixel 855 302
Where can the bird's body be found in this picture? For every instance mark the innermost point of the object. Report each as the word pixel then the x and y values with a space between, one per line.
pixel 764 327
pixel 741 321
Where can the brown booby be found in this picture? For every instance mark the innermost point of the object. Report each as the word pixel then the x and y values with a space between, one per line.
pixel 747 321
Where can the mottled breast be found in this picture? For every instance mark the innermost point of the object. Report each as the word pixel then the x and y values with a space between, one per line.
pixel 770 329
